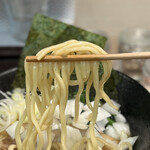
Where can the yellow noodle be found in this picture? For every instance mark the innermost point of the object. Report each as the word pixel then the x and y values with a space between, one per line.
pixel 61 106
pixel 12 147
pixel 96 104
pixel 111 147
pixel 89 83
pixel 49 135
pixel 33 117
pixel 106 75
pixel 81 87
pixel 80 143
pixel 53 81
pixel 43 52
pixel 56 146
pixel 17 132
pixel 125 144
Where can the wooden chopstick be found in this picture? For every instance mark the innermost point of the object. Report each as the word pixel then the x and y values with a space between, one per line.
pixel 120 56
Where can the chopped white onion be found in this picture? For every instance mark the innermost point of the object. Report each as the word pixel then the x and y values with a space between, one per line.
pixel 102 114
pixel 23 134
pixel 123 135
pixel 109 109
pixel 112 132
pixel 17 96
pixel 122 129
pixel 73 136
pixel 19 90
pixel 85 107
pixel 81 123
pixel 11 130
pixel 100 125
pixel 5 119
pixel 4 94
pixel 70 108
pixel 130 140
pixel 8 93
pixel 115 103
pixel 12 109
pixel 86 114
pixel 120 118
pixel 56 124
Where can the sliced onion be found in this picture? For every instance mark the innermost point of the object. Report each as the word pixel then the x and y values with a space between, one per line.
pixel 112 132
pixel 100 125
pixel 5 119
pixel 23 134
pixel 102 114
pixel 11 130
pixel 120 118
pixel 8 93
pixel 108 108
pixel 81 123
pixel 86 114
pixel 56 124
pixel 85 107
pixel 123 135
pixel 7 104
pixel 130 140
pixel 17 96
pixel 122 128
pixel 4 94
pixel 70 108
pixel 115 103
pixel 73 136
pixel 19 90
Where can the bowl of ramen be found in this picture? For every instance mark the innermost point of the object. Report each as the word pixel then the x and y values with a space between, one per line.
pixel 95 117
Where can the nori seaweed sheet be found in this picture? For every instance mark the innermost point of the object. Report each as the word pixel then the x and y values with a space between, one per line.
pixel 45 32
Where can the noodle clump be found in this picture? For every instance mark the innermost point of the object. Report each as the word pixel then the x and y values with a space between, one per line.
pixel 47 86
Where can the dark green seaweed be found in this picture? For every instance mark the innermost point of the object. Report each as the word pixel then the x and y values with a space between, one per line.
pixel 45 32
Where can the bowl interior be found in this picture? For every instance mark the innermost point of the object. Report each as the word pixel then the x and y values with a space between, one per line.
pixel 134 100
